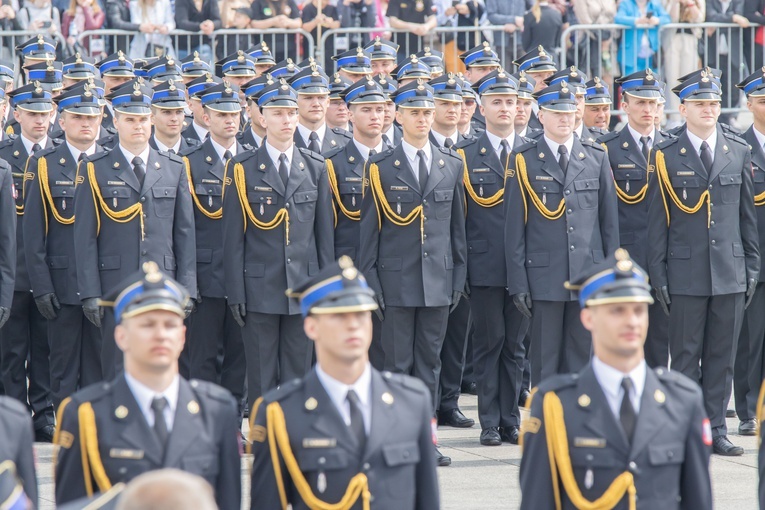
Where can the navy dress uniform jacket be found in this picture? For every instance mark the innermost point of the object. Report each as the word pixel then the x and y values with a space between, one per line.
pixel 398 457
pixel 203 440
pixel 108 251
pixel 541 253
pixel 668 455
pixel 758 182
pixel 260 265
pixel 333 138
pixel 348 167
pixel 714 251
pixel 410 267
pixel 18 438
pixel 7 234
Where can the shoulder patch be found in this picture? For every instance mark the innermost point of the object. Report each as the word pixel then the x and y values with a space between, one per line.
pixel 8 141
pixel 283 391
pixel 341 132
pixel 57 141
pixel 311 155
pixel 106 139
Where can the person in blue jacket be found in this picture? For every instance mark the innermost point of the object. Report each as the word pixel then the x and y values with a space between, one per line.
pixel 640 44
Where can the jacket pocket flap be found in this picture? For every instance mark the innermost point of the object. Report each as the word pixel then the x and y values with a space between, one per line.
pixel 728 179
pixel 389 264
pixel 109 262
pixel 209 189
pixel 399 196
pixel 116 192
pixel 301 197
pixel 680 252
pixel 545 186
pixel 255 270
pixel 163 192
pixel 62 191
pixel 538 259
pixel 58 262
pixel 401 453
pixel 586 184
pixel 738 250
pixel 490 178
pixel 322 459
pixel 349 188
pixel 685 182
pixel 443 195
pixel 662 454
pixel 633 174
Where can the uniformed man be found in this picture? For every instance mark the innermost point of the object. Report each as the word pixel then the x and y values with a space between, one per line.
pixel 193 67
pixel 469 105
pixel 344 418
pixel 434 59
pixel 49 244
pixel 411 70
pixel 749 367
pixel 447 96
pixel 703 253
pixel 163 69
pixel 524 106
pixel 353 64
pixel 12 494
pixel 36 49
pixel 561 219
pixel 212 328
pixel 264 59
pixel 49 75
pixel 391 133
pixel 479 62
pixel 499 326
pixel 277 228
pixel 8 221
pixel 76 69
pixel 148 417
pixel 597 105
pixel 629 152
pixel 312 132
pixel 577 80
pixel 253 133
pixel 17 445
pixel 238 68
pixel 415 288
pixel 337 111
pixel 116 70
pixel 382 55
pixel 136 208
pixel 539 65
pixel 24 339
pixel 617 434
pixel 168 102
pixel 197 131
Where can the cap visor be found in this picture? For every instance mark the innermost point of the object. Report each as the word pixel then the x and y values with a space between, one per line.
pixel 35 107
pixel 560 107
pixel 133 110
pixel 90 111
pixel 345 304
pixel 227 107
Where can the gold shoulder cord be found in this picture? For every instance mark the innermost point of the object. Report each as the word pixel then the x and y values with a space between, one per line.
pixel 379 196
pixel 665 186
pixel 491 201
pixel 9 130
pixel 759 200
pixel 124 216
pixel 760 413
pixel 520 164
pixel 281 216
pixel 640 195
pixel 214 215
pixel 91 457
pixel 560 465
pixel 57 432
pixel 253 415
pixel 47 198
pixel 279 443
pixel 351 215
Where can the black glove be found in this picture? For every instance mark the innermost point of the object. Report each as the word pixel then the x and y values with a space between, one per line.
pixel 523 304
pixel 662 296
pixel 93 311
pixel 456 296
pixel 4 314
pixel 380 307
pixel 191 305
pixel 239 311
pixel 48 304
pixel 750 288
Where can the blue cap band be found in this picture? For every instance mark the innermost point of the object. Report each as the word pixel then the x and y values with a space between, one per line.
pixel 593 286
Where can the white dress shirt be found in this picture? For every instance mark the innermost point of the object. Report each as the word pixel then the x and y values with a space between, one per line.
pixel 441 139
pixel 202 132
pixel 221 150
pixel 28 144
pixel 129 155
pixel 338 393
pixel 274 154
pixel 306 134
pixel 258 139
pixel 364 150
pixel 554 146
pixel 696 142
pixel 610 380
pixel 76 152
pixel 161 146
pixel 636 136
pixel 144 396
pixel 496 142
pixel 760 137
pixel 414 163
pixel 391 134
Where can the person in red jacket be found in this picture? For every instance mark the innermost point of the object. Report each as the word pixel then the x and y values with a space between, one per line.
pixel 83 15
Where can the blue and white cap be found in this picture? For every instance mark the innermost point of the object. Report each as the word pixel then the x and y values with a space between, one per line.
pixel 558 98
pixel 643 84
pixel 237 64
pixel 285 69
pixel 6 72
pixel 164 69
pixel 699 88
pixel 754 84
pixel 223 97
pixel 131 98
pixel 38 47
pixel 354 61
pixel 575 78
pixel 310 81
pixel 616 280
pixel 535 61
pixel 261 53
pixel 116 64
pixel 446 88
pixel 277 95
pixel 169 95
pixel 364 91
pixel 481 56
pixel 49 74
pixel 193 66
pixel 417 94
pixel 388 85
pixel 597 92
pixel 381 49
pixel 526 85
pixel 80 98
pixel 254 86
pixel 412 69
pixel 434 59
pixel 495 83
pixel 198 85
pixel 32 97
pixel 78 68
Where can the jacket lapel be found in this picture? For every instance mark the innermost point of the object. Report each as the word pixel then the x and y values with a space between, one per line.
pixel 632 150
pixel 651 417
pixel 125 170
pixel 187 425
pixel 436 174
pixel 489 157
pixel 383 416
pixel 133 428
pixel 758 156
pixel 297 173
pixel 602 421
pixel 153 171
pixel 690 157
pixel 298 139
pixel 325 418
pixel 216 165
pixel 722 157
pixel 575 162
pixel 549 162
pixel 404 170
pixel 354 159
pixel 270 171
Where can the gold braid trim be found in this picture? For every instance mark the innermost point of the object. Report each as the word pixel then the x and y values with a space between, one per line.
pixel 520 164
pixel 560 465
pixel 57 432
pixel 9 130
pixel 661 170
pixel 124 216
pixel 759 200
pixel 214 215
pixel 640 195
pixel 253 415
pixel 281 216
pixel 491 201
pixel 42 175
pixel 89 444
pixel 351 215
pixel 760 413
pixel 279 443
pixel 379 195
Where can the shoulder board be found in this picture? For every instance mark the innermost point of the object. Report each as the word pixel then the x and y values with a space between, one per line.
pixel 57 141
pixel 380 156
pixel 450 152
pixel 45 152
pixel 466 142
pixel 666 143
pixel 675 378
pixel 536 135
pixel 11 405
pixel 105 139
pixel 192 141
pixel 312 155
pixel 283 391
pixel 608 137
pixel 728 130
pixel 405 381
pixel 592 144
pixel 245 146
pixel 736 137
pixel 675 131
pixel 341 132
pixel 333 152
pixel 558 382
pixel 171 156
pixel 597 130
pixel 243 156
pixel 8 141
pixel 190 150
pixel 96 155
pixel 92 393
pixel 211 390
pixel 666 134
pixel 530 144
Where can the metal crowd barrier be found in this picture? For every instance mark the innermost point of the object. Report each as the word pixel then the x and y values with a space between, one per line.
pixel 9 39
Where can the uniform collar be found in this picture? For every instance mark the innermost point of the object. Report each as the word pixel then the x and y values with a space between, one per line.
pixel 338 391
pixel 201 131
pixel 696 141
pixel 28 144
pixel 496 141
pixel 554 146
pixel 759 136
pixel 306 133
pixel 143 155
pixel 76 152
pixel 274 154
pixel 636 136
pixel 441 139
pixel 161 146
pixel 411 154
pixel 144 395
pixel 221 150
pixel 610 380
pixel 364 150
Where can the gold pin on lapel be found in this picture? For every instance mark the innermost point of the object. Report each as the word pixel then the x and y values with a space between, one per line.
pixel 725 147
pixel 396 163
pixel 332 142
pixel 15 153
pixel 156 165
pixel 625 144
pixel 584 400
pixel 311 404
pixel 121 412
pixel 581 155
pixel 208 159
pixel 659 396
pixel 387 398
pixel 193 407
pixel 542 155
pixel 351 159
pixel 483 150
pixel 301 165
pixel 62 161
pixel 116 164
pixel 262 166
pixel 682 150
pixel 441 162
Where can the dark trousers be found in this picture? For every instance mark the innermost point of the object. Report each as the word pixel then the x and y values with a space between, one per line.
pixel 657 341
pixel 212 329
pixel 376 352
pixel 276 349
pixel 75 355
pixel 26 355
pixel 468 370
pixel 412 338
pixel 526 362
pixel 704 329
pixel 749 365
pixel 453 355
pixel 498 355
pixel 111 356
pixel 559 342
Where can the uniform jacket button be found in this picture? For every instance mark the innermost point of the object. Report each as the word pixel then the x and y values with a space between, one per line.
pixel 568 192
pixel 143 199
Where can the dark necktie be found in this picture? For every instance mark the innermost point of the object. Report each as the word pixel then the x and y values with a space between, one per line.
pixel 563 158
pixel 423 170
pixel 627 414
pixel 386 142
pixel 313 143
pixel 372 152
pixel 357 420
pixel 160 425
pixel 35 148
pixel 171 151
pixel 644 141
pixel 448 143
pixel 504 154
pixel 284 171
pixel 706 156
pixel 139 169
pixel 227 155
pixel 81 156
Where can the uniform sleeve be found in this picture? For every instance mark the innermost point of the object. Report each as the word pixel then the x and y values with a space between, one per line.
pixel 459 240
pixel 695 485
pixel 535 476
pixel 34 235
pixel 324 222
pixel 264 492
pixel 7 238
pixel 184 237
pixel 658 230
pixel 748 221
pixel 86 237
pixel 370 236
pixel 608 209
pixel 515 232
pixel 427 480
pixel 25 460
pixel 228 490
pixel 233 240
pixel 70 480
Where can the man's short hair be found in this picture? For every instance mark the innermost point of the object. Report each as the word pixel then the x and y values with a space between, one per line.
pixel 167 489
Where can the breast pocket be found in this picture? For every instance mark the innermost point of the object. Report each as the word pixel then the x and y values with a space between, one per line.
pixel 62 197
pixel 164 201
pixel 350 193
pixel 264 204
pixel 402 202
pixel 209 195
pixel 730 185
pixel 322 459
pixel 587 192
pixel 401 458
pixel 305 204
pixel 117 198
pixel 443 203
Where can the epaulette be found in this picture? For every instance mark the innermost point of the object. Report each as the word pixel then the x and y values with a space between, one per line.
pixel 245 146
pixel 608 137
pixel 536 135
pixel 333 152
pixel 173 157
pixel 192 142
pixel 96 155
pixel 380 156
pixel 665 143
pixel 466 142
pixel 8 141
pixel 665 134
pixel 733 137
pixel 57 141
pixel 45 152
pixel 243 156
pixel 341 132
pixel 211 390
pixel 598 130
pixel 11 405
pixel 591 143
pixel 728 130
pixel 105 139
pixel 675 378
pixel 450 152
pixel 92 393
pixel 312 155
pixel 406 381
pixel 282 391
pixel 190 150
pixel 531 144
pixel 557 382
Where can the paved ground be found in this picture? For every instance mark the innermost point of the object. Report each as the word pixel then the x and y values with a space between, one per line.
pixel 486 478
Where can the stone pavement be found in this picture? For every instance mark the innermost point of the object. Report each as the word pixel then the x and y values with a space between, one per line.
pixel 486 478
